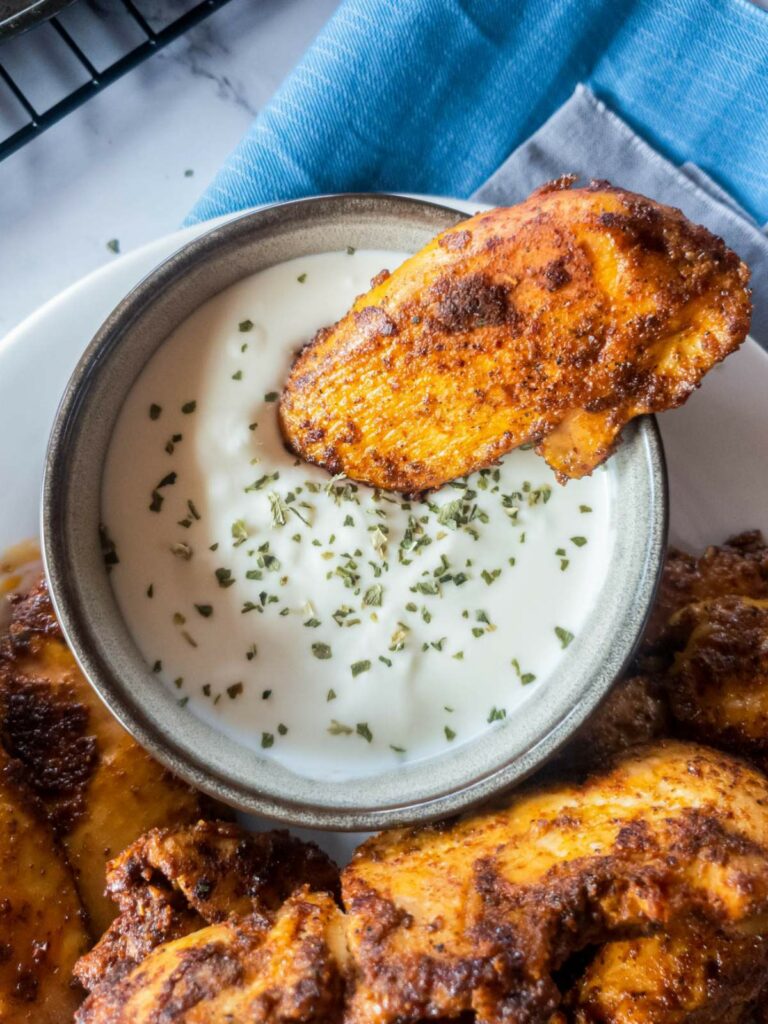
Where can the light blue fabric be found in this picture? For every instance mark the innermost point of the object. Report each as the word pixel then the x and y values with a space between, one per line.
pixel 433 95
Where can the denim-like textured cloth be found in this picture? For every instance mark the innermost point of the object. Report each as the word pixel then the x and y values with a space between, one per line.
pixel 586 138
pixel 481 97
pixel 433 95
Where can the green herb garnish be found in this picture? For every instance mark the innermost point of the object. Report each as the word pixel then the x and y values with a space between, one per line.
pixel 239 532
pixel 563 635
pixel 224 577
pixel 278 508
pixel 373 595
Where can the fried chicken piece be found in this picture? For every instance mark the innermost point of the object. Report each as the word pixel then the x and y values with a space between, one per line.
pixel 42 930
pixel 702 668
pixel 100 788
pixel 244 969
pixel 171 882
pixel 555 321
pixel 633 713
pixel 718 687
pixel 695 975
pixel 740 566
pixel 475 916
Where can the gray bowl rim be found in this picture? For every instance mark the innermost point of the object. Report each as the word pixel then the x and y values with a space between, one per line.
pixel 60 504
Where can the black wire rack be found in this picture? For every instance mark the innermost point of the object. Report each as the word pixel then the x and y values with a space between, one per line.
pixel 150 39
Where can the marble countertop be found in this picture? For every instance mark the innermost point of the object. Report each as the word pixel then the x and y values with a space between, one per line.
pixel 119 167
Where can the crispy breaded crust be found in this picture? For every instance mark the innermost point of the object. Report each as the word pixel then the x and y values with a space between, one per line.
pixel 555 322
pixel 737 567
pixel 247 969
pixel 695 975
pixel 718 687
pixel 475 916
pixel 42 926
pixel 174 881
pixel 100 788
pixel 702 669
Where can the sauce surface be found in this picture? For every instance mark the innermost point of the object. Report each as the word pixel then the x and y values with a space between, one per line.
pixel 339 630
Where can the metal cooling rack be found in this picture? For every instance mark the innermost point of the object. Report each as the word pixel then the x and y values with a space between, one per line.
pixel 150 40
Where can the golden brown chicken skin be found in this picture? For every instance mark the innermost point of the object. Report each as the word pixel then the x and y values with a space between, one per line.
pixel 42 926
pixel 633 713
pixel 250 969
pixel 702 668
pixel 737 567
pixel 554 322
pixel 171 882
pixel 692 975
pixel 718 686
pixel 477 915
pixel 100 789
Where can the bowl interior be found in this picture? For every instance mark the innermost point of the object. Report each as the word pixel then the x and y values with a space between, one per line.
pixel 106 652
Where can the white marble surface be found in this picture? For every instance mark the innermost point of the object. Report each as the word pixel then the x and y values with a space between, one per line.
pixel 116 167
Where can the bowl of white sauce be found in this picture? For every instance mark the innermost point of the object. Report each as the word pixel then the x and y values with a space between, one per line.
pixel 296 644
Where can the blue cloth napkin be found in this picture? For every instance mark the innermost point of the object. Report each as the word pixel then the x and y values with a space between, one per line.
pixel 433 96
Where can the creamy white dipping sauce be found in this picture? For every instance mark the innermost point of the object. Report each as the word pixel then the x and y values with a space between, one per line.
pixel 338 630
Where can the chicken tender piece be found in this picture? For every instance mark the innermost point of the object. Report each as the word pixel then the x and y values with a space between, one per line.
pixel 244 969
pixel 718 687
pixel 555 322
pixel 42 927
pixel 702 669
pixel 692 976
pixel 172 882
pixel 633 713
pixel 100 788
pixel 475 916
pixel 740 566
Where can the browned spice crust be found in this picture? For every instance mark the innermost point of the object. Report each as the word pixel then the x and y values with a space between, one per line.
pixel 554 322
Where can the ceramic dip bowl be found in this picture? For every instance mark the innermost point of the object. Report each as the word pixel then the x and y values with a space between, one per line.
pixel 192 746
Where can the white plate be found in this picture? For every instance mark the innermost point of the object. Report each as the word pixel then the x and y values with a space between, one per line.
pixel 716 445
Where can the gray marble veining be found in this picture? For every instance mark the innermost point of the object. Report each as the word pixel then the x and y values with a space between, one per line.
pixel 118 167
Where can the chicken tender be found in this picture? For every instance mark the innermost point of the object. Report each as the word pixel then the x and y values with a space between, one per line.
pixel 633 713
pixel 702 668
pixel 171 882
pixel 553 322
pixel 740 566
pixel 244 969
pixel 718 687
pixel 101 790
pixel 42 926
pixel 695 975
pixel 476 916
